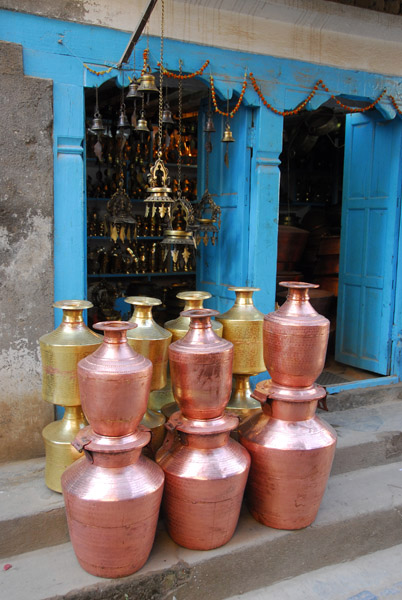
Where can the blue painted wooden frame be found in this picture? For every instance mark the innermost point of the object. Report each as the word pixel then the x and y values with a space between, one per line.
pixel 56 50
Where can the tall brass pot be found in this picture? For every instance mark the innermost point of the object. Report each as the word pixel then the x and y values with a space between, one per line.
pixel 112 498
pixel 152 341
pixel 205 475
pixel 114 382
pixel 193 300
pixel 243 325
pixel 201 368
pixel 295 339
pixel 61 350
pixel 291 457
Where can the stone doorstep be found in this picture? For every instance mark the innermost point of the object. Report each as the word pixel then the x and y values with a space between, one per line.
pixel 33 517
pixel 360 514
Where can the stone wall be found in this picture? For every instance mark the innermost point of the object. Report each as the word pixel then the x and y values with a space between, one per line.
pixel 26 256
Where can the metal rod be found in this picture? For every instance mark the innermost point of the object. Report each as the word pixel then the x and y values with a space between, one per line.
pixel 137 33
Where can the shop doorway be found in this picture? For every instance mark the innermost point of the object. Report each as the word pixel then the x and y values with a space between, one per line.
pixel 339 219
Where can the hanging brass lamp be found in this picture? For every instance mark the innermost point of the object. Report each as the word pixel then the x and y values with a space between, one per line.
pixel 142 124
pixel 167 115
pixel 147 82
pixel 228 135
pixel 133 91
pixel 209 124
pixel 97 126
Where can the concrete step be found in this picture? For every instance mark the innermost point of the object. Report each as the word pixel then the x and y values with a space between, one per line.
pixel 376 576
pixel 360 513
pixel 33 517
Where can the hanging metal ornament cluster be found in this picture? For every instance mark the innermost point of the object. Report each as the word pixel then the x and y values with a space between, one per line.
pixel 97 126
pixel 120 214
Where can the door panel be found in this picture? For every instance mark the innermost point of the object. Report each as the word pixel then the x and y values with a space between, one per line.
pixel 225 264
pixel 370 217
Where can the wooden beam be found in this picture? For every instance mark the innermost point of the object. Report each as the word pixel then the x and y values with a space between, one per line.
pixel 137 33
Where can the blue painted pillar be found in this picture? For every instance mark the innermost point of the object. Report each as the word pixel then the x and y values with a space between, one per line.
pixel 69 193
pixel 264 206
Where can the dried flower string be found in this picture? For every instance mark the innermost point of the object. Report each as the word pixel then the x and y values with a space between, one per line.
pixel 236 108
pixel 188 75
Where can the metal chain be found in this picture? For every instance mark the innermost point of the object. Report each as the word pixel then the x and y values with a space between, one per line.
pixel 161 79
pixel 180 127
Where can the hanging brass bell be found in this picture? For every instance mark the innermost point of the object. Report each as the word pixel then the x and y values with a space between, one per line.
pixel 133 90
pixel 167 115
pixel 147 82
pixel 228 135
pixel 209 125
pixel 123 121
pixel 97 124
pixel 142 124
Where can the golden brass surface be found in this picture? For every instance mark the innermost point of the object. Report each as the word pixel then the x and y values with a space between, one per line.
pixel 179 327
pixel 241 403
pixel 62 349
pixel 149 339
pixel 156 423
pixel 159 398
pixel 243 326
pixel 60 454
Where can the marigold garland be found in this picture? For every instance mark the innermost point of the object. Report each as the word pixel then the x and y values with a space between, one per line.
pixel 394 104
pixel 104 72
pixel 236 108
pixel 188 75
pixel 145 55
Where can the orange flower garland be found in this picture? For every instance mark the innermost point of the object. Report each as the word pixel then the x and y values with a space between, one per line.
pixel 394 104
pixel 145 55
pixel 188 75
pixel 236 108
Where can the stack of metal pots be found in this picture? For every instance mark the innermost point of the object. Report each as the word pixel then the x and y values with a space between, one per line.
pixel 61 350
pixel 151 340
pixel 113 494
pixel 205 470
pixel 291 448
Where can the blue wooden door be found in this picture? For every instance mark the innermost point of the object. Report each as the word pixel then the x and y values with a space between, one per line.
pixel 225 264
pixel 369 241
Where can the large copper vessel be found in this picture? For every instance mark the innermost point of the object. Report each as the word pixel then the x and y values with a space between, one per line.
pixel 114 382
pixel 201 368
pixel 112 498
pixel 152 341
pixel 242 325
pixel 61 350
pixel 193 300
pixel 205 475
pixel 291 456
pixel 295 339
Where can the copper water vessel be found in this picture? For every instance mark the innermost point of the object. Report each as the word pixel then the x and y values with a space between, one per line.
pixel 151 340
pixel 291 456
pixel 201 368
pixel 114 382
pixel 195 299
pixel 243 325
pixel 61 350
pixel 112 498
pixel 295 339
pixel 205 475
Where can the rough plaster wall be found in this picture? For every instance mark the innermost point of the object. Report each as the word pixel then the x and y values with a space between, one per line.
pixel 316 31
pixel 26 253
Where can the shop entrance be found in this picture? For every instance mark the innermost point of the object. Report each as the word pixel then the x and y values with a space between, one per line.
pixel 339 222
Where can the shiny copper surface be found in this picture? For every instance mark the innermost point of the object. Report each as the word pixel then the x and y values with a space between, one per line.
pixel 295 339
pixel 112 499
pixel 201 368
pixel 269 389
pixel 179 327
pixel 62 349
pixel 114 382
pixel 149 339
pixel 291 456
pixel 205 475
pixel 57 437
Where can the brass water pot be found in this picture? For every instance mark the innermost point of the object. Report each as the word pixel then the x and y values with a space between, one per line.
pixel 243 326
pixel 179 327
pixel 152 341
pixel 61 350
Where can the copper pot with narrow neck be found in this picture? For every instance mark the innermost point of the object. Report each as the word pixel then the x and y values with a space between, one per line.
pixel 291 456
pixel 201 368
pixel 205 476
pixel 61 350
pixel 152 341
pixel 112 498
pixel 114 382
pixel 193 300
pixel 243 325
pixel 295 338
